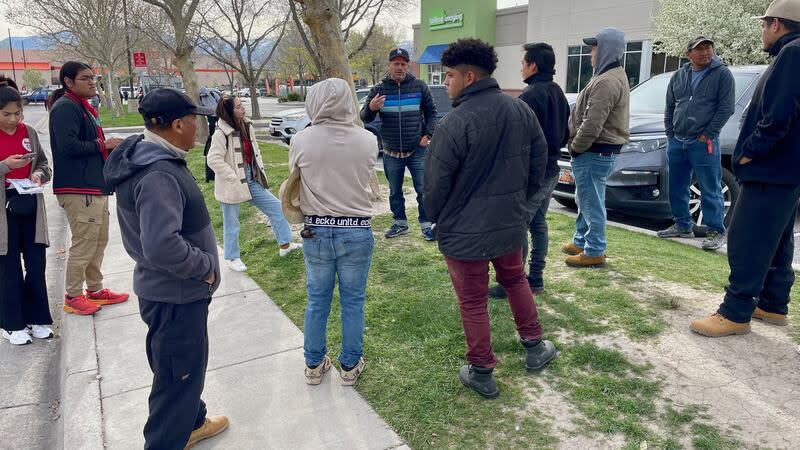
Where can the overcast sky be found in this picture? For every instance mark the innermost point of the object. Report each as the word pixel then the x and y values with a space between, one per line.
pixel 406 20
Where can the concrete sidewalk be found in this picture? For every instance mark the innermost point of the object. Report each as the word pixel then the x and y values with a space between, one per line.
pixel 255 375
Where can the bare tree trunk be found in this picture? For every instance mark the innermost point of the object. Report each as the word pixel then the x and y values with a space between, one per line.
pixel 322 18
pixel 117 100
pixel 183 61
pixel 254 100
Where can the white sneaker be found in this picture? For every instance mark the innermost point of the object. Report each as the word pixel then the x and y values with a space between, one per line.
pixel 237 265
pixel 292 246
pixel 40 331
pixel 19 337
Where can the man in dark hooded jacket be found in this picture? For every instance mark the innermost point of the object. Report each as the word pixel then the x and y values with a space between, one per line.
pixel 486 162
pixel 166 229
pixel 766 163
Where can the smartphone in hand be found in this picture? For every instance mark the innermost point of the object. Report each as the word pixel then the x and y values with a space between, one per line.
pixel 28 156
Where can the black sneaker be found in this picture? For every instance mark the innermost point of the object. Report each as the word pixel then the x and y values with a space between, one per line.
pixel 538 354
pixel 427 233
pixel 396 230
pixel 675 232
pixel 479 380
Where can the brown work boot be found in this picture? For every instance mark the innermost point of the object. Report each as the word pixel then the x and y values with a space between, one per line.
pixel 210 428
pixel 571 249
pixel 771 318
pixel 582 260
pixel 717 326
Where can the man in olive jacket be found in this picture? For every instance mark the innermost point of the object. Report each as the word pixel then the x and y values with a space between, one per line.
pixel 598 130
pixel 486 161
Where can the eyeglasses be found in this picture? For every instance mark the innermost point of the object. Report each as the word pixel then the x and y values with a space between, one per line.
pixel 89 80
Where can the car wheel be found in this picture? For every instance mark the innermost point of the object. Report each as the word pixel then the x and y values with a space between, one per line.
pixel 566 202
pixel 730 193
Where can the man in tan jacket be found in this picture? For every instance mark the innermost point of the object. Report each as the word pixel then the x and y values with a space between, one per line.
pixel 598 129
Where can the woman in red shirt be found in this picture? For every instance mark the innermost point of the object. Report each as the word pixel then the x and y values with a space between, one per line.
pixel 24 309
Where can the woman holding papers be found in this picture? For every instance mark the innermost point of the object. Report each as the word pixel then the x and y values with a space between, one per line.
pixel 24 310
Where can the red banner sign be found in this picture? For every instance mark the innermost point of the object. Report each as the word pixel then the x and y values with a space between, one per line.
pixel 139 60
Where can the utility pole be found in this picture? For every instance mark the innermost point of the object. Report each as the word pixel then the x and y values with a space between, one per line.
pixel 13 64
pixel 128 46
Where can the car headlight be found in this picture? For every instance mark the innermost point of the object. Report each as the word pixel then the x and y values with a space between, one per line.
pixel 295 117
pixel 645 146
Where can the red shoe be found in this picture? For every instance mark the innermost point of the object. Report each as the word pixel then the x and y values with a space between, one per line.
pixel 80 305
pixel 106 297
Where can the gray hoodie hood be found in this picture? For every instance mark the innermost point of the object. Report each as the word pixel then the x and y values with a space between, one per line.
pixel 331 101
pixel 610 49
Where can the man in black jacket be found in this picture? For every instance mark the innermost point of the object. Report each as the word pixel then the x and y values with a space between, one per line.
pixel 766 163
pixel 486 162
pixel 166 229
pixel 80 151
pixel 550 105
pixel 408 116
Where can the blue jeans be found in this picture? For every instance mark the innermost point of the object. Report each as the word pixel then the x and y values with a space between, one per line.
pixel 346 252
pixel 266 203
pixel 539 239
pixel 591 171
pixel 395 169
pixel 683 160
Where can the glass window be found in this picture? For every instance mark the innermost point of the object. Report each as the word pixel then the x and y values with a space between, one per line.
pixel 573 71
pixel 657 63
pixel 634 46
pixel 650 97
pixel 633 65
pixel 586 71
pixel 574 50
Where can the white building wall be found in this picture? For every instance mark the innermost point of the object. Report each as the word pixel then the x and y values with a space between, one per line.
pixel 508 66
pixel 562 23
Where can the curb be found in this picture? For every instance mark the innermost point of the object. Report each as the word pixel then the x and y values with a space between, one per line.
pixel 81 407
pixel 689 242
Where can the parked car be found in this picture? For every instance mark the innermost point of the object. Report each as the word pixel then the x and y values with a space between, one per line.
pixel 638 184
pixel 37 96
pixel 262 92
pixel 243 92
pixel 287 123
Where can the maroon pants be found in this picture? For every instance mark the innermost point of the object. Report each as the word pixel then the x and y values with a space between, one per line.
pixel 471 283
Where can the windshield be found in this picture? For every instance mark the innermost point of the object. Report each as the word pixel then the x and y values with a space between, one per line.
pixel 650 97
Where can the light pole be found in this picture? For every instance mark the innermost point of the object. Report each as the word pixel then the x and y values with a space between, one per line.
pixel 128 46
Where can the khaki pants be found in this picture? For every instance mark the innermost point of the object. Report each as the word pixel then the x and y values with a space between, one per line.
pixel 88 222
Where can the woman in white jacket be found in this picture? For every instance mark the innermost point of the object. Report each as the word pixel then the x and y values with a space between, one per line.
pixel 236 161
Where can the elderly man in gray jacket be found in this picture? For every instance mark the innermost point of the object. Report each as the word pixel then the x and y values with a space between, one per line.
pixel 700 100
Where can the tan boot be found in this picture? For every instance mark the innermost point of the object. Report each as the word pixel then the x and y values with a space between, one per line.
pixel 771 318
pixel 210 428
pixel 717 326
pixel 571 249
pixel 582 260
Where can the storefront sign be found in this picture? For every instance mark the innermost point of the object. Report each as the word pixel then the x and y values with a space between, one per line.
pixel 440 20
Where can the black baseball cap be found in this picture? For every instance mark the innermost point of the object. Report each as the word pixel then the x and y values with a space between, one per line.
pixel 697 41
pixel 401 52
pixel 590 41
pixel 163 105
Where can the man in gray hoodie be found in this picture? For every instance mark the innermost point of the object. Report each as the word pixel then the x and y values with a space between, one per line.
pixel 166 229
pixel 700 100
pixel 598 129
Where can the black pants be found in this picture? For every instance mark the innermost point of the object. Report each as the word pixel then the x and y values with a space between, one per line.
pixel 760 251
pixel 23 298
pixel 177 350
pixel 212 126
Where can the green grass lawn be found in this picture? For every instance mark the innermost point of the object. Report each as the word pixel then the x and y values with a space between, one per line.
pixel 127 120
pixel 414 342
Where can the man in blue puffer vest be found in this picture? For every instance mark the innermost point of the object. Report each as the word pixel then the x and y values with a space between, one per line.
pixel 408 116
